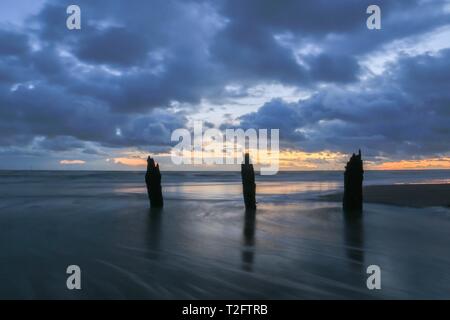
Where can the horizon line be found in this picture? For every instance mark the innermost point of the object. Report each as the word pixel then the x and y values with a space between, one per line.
pixel 162 170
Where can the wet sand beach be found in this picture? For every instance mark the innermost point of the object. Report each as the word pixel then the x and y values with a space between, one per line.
pixel 203 245
pixel 410 195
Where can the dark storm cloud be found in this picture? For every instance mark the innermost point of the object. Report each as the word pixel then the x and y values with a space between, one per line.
pixel 401 113
pixel 46 63
pixel 60 143
pixel 159 48
pixel 334 68
pixel 252 54
pixel 275 114
pixel 115 46
pixel 12 43
pixel 113 82
pixel 331 22
pixel 52 112
pixel 248 45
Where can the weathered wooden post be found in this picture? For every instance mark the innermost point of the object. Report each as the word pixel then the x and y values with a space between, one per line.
pixel 153 182
pixel 353 179
pixel 248 183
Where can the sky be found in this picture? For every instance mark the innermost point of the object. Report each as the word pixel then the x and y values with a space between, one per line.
pixel 106 96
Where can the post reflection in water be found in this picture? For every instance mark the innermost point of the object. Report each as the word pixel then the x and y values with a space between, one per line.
pixel 248 240
pixel 354 238
pixel 154 232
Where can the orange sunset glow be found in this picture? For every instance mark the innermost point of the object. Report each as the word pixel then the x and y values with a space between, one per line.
pixel 291 160
pixel 433 163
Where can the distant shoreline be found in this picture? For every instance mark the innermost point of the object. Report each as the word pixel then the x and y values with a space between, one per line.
pixel 406 195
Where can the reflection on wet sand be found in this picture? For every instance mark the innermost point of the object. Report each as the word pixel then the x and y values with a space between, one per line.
pixel 227 190
pixel 210 249
pixel 354 238
pixel 154 233
pixel 248 240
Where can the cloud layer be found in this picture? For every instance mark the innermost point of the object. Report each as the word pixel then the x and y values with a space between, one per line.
pixel 138 70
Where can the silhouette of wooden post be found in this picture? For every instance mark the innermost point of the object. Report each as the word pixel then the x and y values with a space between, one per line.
pixel 353 179
pixel 248 183
pixel 153 182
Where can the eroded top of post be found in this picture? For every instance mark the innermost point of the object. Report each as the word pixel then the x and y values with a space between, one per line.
pixel 151 162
